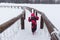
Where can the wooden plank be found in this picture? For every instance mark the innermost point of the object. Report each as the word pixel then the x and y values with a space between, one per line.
pixel 49 25
pixel 22 22
pixel 54 37
pixel 41 23
pixel 7 24
pixel 36 13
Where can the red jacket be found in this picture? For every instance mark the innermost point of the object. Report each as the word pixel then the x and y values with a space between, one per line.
pixel 33 19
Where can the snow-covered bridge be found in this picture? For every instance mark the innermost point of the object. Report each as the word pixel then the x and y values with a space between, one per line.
pixel 12 29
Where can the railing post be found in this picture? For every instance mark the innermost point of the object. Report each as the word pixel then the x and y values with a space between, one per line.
pixel 24 14
pixel 41 23
pixel 45 20
pixel 36 13
pixel 54 37
pixel 22 21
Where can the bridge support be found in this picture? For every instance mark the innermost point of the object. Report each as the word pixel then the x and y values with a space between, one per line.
pixel 54 37
pixel 35 12
pixel 22 21
pixel 41 23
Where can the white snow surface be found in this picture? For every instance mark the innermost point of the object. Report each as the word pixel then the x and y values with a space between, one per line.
pixel 26 34
pixel 8 13
pixel 52 11
pixel 15 32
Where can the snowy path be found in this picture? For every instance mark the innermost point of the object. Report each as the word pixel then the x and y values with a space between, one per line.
pixel 26 34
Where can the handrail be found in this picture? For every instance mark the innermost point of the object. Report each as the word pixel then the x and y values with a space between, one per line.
pixel 49 25
pixel 42 14
pixel 7 24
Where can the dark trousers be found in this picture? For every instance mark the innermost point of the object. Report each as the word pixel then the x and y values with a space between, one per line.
pixel 34 28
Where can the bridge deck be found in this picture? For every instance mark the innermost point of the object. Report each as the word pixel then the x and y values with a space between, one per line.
pixel 41 34
pixel 26 34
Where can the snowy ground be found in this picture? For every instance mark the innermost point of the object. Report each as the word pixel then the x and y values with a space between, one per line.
pixel 50 10
pixel 15 32
pixel 26 34
pixel 8 13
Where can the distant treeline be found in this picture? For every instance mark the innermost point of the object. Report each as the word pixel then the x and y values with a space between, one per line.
pixel 32 1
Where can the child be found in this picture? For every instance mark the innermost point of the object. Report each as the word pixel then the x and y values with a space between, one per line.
pixel 33 19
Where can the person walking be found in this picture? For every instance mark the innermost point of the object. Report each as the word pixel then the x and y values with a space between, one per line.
pixel 33 19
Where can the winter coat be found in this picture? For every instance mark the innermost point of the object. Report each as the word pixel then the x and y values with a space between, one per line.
pixel 33 19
